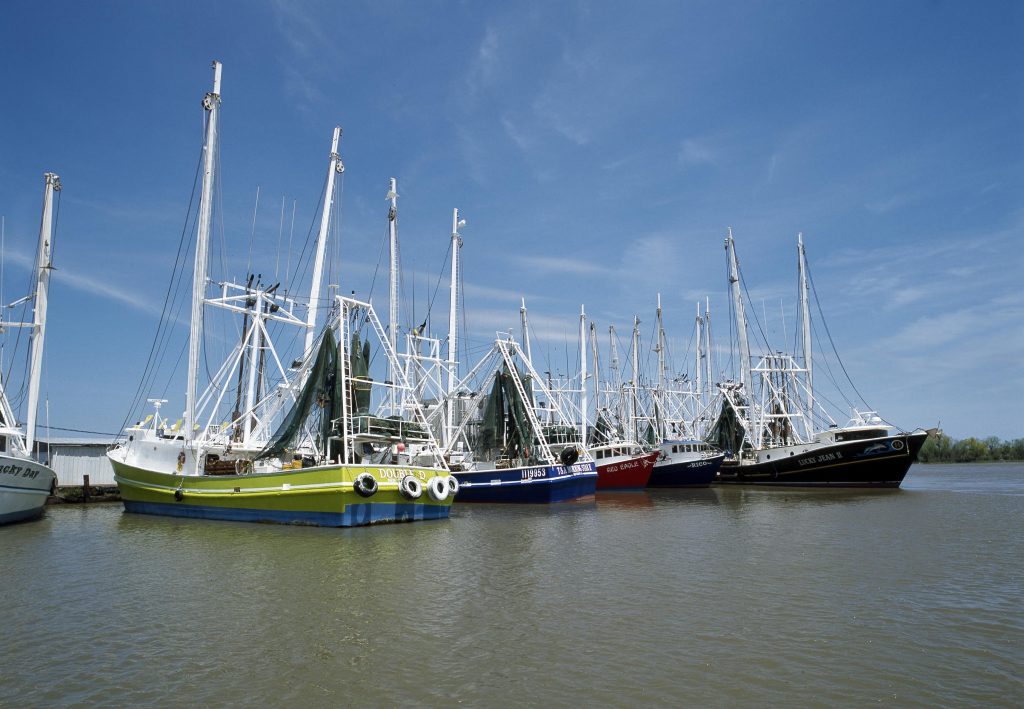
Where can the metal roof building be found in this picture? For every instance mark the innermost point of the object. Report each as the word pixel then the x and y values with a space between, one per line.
pixel 74 458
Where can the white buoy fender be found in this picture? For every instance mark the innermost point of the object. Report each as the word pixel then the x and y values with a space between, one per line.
pixel 410 487
pixel 438 489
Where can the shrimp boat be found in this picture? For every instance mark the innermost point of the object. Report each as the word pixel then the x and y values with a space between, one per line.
pixel 24 482
pixel 622 463
pixel 504 446
pixel 313 443
pixel 681 461
pixel 774 430
pixel 500 442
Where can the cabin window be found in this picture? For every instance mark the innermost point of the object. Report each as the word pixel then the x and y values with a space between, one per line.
pixel 3 444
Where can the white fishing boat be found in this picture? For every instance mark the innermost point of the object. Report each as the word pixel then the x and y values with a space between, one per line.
pixel 24 482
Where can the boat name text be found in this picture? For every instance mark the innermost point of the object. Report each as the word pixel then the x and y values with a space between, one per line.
pixel 835 455
pixel 18 471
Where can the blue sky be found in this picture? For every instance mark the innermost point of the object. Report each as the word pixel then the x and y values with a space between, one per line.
pixel 598 150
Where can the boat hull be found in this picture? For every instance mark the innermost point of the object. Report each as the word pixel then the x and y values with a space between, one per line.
pixel 530 485
pixel 24 487
pixel 879 462
pixel 322 496
pixel 630 474
pixel 699 472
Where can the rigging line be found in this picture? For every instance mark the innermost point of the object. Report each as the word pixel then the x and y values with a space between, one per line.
pixel 291 236
pixel 440 274
pixel 252 232
pixel 136 399
pixel 78 430
pixel 181 354
pixel 750 301
pixel 294 277
pixel 169 318
pixel 831 341
pixel 280 234
pixel 828 368
pixel 376 269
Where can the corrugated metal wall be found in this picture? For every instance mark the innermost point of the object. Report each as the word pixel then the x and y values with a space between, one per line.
pixel 72 462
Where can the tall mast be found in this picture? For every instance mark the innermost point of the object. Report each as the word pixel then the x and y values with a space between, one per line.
pixel 710 378
pixel 616 373
pixel 211 102
pixel 597 367
pixel 392 196
pixel 43 268
pixel 635 382
pixel 741 316
pixel 334 167
pixel 805 329
pixel 583 376
pixel 661 394
pixel 453 319
pixel 524 325
pixel 698 365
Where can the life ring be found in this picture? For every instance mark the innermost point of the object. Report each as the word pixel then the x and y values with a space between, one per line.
pixel 568 456
pixel 453 485
pixel 438 489
pixel 365 485
pixel 410 487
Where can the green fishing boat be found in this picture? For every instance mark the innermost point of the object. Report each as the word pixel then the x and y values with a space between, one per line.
pixel 319 441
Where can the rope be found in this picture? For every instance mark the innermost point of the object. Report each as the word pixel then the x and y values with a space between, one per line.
pixel 147 372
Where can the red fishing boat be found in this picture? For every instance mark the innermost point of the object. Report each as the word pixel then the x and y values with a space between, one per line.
pixel 622 466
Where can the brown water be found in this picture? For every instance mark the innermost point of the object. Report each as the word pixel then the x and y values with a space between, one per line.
pixel 719 597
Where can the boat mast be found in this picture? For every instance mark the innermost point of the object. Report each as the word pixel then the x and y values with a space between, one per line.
pixel 597 372
pixel 698 365
pixel 524 325
pixel 661 394
pixel 583 376
pixel 334 167
pixel 805 329
pixel 211 103
pixel 635 382
pixel 741 316
pixel 453 321
pixel 707 347
pixel 613 351
pixel 43 268
pixel 392 196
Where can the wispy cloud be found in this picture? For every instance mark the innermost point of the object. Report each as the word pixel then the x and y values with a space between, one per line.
pixel 483 70
pixel 696 151
pixel 889 204
pixel 562 265
pixel 305 36
pixel 90 285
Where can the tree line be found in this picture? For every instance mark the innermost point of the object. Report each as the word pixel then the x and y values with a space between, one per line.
pixel 940 448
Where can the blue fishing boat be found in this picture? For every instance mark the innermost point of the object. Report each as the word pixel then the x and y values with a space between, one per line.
pixel 505 443
pixel 685 463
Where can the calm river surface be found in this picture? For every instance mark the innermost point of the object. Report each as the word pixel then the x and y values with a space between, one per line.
pixel 718 597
